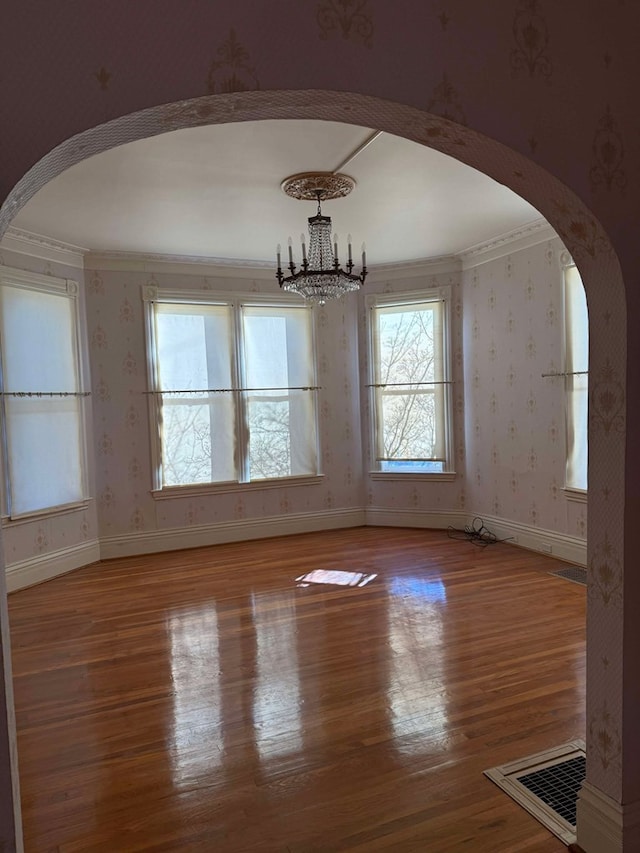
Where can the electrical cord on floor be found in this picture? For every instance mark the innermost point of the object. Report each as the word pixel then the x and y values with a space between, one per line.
pixel 476 533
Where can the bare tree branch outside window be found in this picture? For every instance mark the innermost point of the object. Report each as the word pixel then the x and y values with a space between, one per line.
pixel 406 361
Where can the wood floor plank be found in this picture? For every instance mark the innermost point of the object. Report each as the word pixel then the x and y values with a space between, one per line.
pixel 205 700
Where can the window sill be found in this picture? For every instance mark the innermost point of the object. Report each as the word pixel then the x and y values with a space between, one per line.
pixel 578 496
pixel 438 476
pixel 173 492
pixel 29 518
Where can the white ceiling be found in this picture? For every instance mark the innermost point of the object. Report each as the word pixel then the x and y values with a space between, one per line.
pixel 215 192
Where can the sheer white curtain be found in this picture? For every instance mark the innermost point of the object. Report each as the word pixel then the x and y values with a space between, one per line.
pixel 43 434
pixel 196 403
pixel 577 380
pixel 235 392
pixel 409 379
pixel 279 375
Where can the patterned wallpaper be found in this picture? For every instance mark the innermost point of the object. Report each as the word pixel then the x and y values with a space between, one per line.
pixel 123 476
pixel 515 435
pixel 26 539
pixel 508 421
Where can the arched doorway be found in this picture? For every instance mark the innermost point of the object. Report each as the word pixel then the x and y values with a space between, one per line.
pixel 598 264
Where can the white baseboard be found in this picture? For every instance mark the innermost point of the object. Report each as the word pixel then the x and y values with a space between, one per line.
pixel 560 545
pixel 383 517
pixel 43 567
pixel 605 826
pixel 173 539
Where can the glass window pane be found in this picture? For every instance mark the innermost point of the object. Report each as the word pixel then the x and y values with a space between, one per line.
pixel 278 347
pixel 270 445
pixel 39 344
pixel 407 345
pixel 409 425
pixel 194 346
pixel 278 355
pixel 197 442
pixel 45 459
pixel 194 354
pixel 410 395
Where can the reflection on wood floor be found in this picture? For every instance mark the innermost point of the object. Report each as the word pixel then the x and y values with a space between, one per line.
pixel 261 697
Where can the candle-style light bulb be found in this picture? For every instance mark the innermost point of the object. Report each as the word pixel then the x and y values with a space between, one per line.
pixel 335 248
pixel 304 248
pixel 364 255
pixel 349 246
pixel 290 245
pixel 278 250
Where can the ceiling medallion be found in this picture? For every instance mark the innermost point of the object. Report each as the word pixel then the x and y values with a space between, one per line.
pixel 320 276
pixel 306 185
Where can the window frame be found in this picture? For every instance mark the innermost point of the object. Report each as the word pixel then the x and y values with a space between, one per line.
pixel 572 492
pixel 151 294
pixel 69 289
pixel 408 298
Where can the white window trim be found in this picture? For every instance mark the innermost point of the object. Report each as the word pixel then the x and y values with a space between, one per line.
pixel 173 492
pixel 62 510
pixel 152 294
pixel 65 287
pixel 374 300
pixel 433 476
pixel 578 496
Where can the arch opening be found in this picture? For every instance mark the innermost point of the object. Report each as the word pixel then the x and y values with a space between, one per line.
pixel 580 231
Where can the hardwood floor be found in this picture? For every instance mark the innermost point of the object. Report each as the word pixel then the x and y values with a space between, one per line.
pixel 205 700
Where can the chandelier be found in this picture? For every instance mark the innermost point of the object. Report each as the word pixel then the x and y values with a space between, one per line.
pixel 320 276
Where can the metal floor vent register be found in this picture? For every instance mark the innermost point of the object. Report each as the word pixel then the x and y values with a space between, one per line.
pixel 547 786
pixel 572 573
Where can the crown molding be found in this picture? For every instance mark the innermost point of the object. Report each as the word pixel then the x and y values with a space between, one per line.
pixel 225 268
pixel 189 264
pixel 515 240
pixel 523 237
pixel 47 248
pixel 57 251
pixel 415 269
